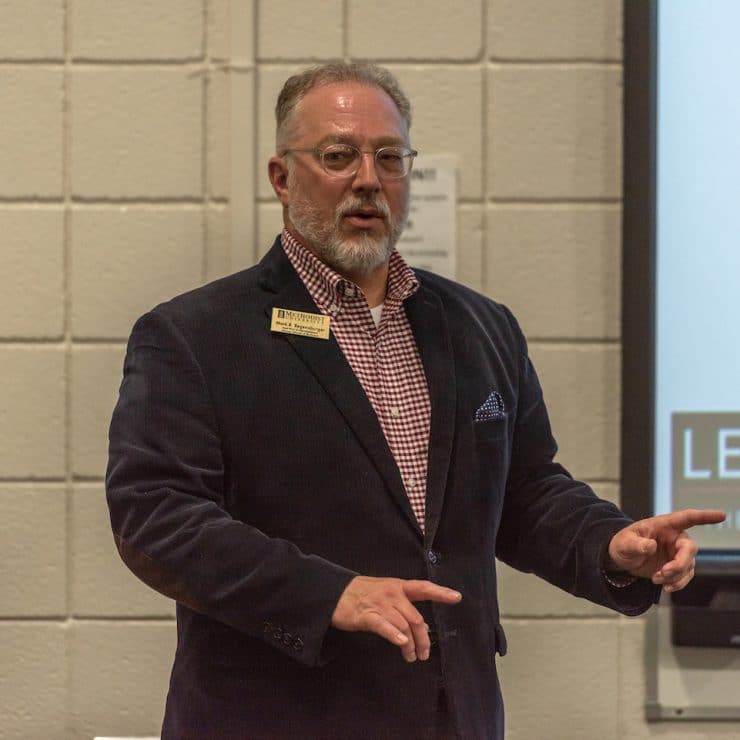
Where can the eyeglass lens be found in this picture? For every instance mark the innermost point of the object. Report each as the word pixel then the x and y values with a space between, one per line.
pixel 343 159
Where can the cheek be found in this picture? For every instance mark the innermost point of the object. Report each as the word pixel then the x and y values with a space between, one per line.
pixel 398 201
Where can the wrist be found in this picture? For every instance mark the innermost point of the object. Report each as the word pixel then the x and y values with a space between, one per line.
pixel 613 574
pixel 618 578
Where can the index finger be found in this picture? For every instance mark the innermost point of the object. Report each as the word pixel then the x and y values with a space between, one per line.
pixel 694 517
pixel 428 591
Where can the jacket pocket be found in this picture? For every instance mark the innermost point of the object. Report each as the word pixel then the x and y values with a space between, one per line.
pixel 490 429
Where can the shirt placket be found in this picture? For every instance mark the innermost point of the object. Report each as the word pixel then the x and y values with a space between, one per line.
pixel 393 415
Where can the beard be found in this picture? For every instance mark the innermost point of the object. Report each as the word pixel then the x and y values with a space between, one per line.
pixel 358 254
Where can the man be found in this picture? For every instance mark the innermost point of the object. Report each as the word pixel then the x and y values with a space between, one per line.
pixel 320 457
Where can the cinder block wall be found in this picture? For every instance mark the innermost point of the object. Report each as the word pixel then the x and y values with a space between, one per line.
pixel 116 180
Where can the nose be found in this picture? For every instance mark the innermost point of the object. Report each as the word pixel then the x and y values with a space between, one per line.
pixel 366 178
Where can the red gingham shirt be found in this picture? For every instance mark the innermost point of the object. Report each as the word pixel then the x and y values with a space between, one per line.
pixel 385 359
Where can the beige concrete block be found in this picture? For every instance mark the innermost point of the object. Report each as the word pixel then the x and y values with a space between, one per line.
pixel 33 681
pixel 136 133
pixel 32 279
pixel 244 168
pixel 470 228
pixel 32 30
pixel 119 29
pixel 269 226
pixel 558 268
pixel 96 376
pixel 581 384
pixel 606 490
pixel 102 586
pixel 559 679
pixel 526 595
pixel 31 144
pixel 405 29
pixel 633 684
pixel 554 132
pixel 218 242
pixel 33 551
pixel 270 80
pixel 119 672
pixel 32 413
pixel 438 95
pixel 219 28
pixel 566 29
pixel 218 150
pixel 698 731
pixel 127 259
pixel 294 29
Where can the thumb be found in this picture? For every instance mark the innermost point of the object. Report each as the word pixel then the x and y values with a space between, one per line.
pixel 628 547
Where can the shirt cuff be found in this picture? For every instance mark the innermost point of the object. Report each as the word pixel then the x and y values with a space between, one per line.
pixel 618 580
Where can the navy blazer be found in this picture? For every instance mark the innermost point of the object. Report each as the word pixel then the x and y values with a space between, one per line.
pixel 249 479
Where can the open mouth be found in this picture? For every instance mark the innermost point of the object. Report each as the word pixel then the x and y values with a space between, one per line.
pixel 365 213
pixel 364 217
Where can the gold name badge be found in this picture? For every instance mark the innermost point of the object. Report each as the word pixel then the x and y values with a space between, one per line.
pixel 286 321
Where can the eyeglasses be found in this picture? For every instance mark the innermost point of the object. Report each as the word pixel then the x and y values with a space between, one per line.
pixel 344 160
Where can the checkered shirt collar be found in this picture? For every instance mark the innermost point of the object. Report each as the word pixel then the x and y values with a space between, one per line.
pixel 327 286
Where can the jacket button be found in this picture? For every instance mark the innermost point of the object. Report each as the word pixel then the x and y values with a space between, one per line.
pixel 287 639
pixel 278 633
pixel 298 644
pixel 432 557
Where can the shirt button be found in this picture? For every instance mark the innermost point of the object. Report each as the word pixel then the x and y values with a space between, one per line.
pixel 349 291
pixel 411 482
pixel 333 309
pixel 395 413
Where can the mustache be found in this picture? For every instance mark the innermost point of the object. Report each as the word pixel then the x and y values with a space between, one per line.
pixel 353 203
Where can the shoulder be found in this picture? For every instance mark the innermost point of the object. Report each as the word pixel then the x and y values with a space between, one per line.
pixel 214 305
pixel 213 298
pixel 200 318
pixel 467 309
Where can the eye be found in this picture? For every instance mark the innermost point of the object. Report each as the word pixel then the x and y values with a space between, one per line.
pixel 390 155
pixel 339 156
pixel 391 159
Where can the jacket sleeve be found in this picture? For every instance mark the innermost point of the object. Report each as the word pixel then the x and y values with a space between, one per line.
pixel 552 525
pixel 165 489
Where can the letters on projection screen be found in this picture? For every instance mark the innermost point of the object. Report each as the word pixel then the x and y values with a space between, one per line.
pixel 706 468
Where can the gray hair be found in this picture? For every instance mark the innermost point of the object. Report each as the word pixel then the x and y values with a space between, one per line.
pixel 297 86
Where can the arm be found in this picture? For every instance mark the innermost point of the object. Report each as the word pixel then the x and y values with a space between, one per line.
pixel 552 525
pixel 165 488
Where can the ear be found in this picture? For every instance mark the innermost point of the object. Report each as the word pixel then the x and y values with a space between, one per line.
pixel 277 171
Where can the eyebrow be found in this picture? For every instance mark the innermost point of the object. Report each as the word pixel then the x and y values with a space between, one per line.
pixel 343 139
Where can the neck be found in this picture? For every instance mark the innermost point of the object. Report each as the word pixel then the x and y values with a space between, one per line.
pixel 373 284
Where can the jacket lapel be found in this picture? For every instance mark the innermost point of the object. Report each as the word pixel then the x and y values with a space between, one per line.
pixel 429 324
pixel 325 360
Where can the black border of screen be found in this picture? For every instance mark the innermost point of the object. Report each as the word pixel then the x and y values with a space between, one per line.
pixel 638 257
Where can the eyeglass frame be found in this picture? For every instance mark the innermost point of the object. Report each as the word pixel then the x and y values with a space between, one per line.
pixel 319 153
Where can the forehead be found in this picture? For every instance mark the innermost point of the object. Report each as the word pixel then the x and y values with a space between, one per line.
pixel 348 110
